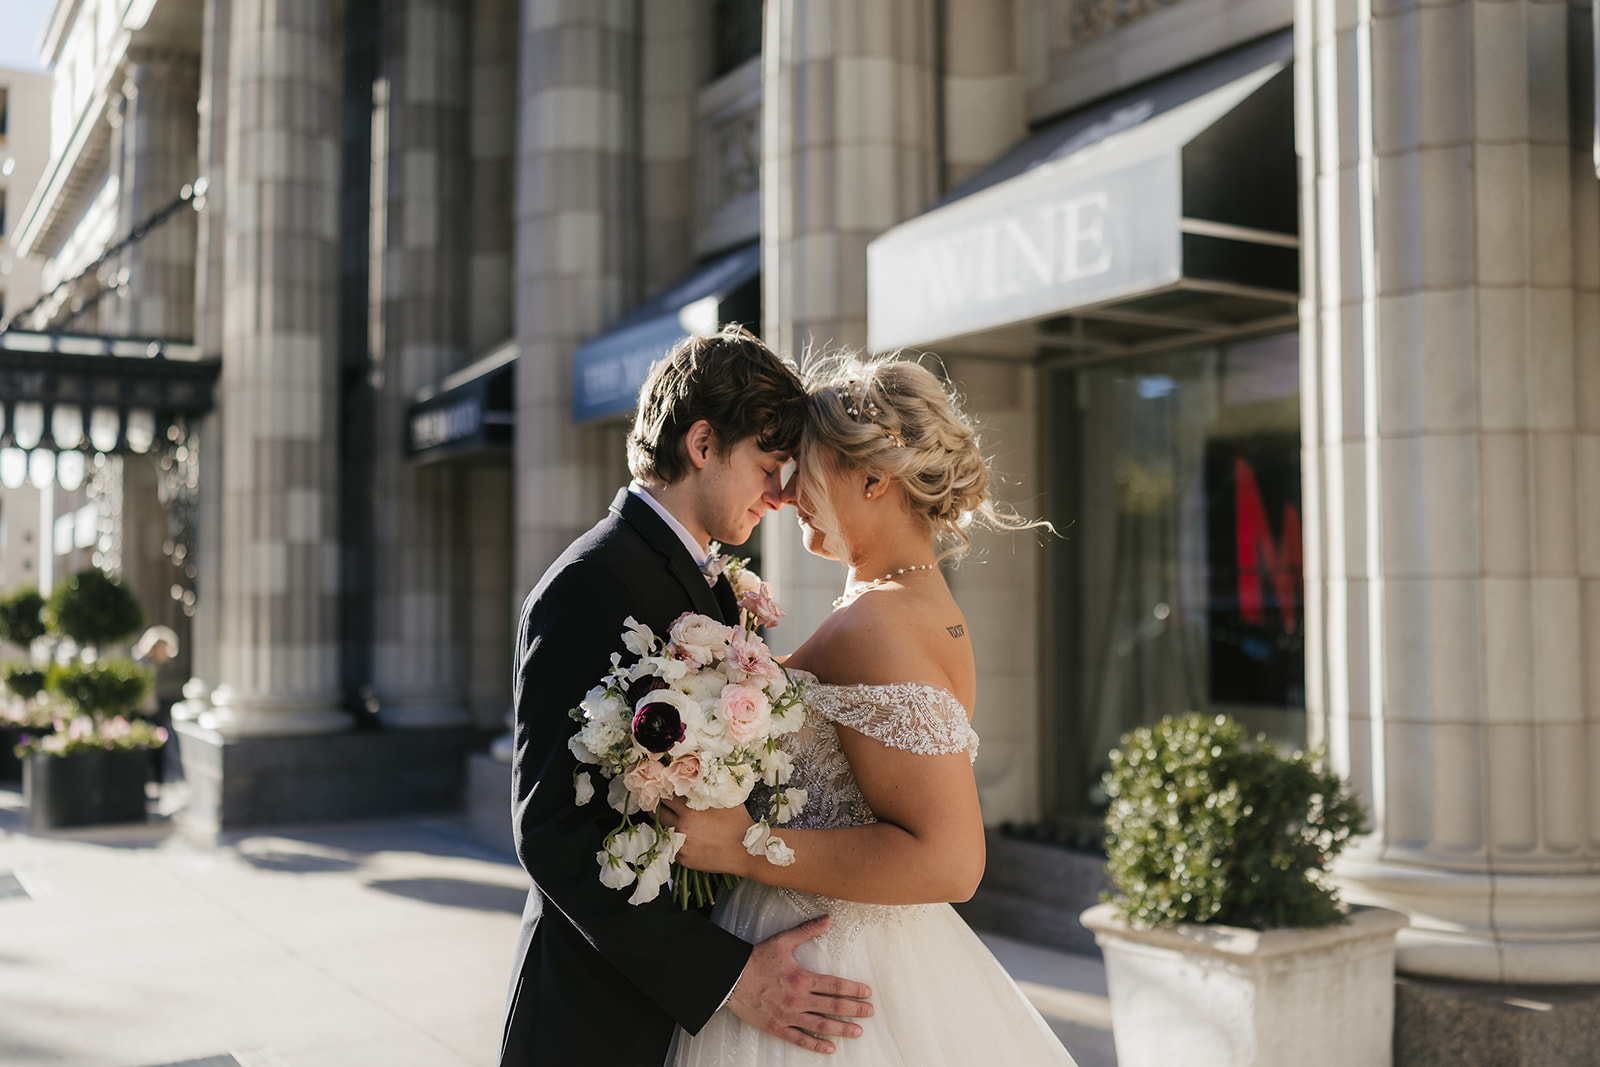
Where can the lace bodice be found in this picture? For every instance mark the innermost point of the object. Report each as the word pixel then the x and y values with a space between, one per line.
pixel 905 715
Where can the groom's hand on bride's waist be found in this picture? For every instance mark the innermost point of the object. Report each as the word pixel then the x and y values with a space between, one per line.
pixel 781 997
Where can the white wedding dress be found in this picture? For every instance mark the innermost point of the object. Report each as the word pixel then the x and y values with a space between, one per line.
pixel 940 996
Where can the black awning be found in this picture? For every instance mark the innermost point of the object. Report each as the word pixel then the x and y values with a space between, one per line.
pixel 73 391
pixel 1164 216
pixel 608 370
pixel 469 411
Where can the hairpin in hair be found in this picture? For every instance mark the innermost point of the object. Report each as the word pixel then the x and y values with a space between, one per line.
pixel 853 395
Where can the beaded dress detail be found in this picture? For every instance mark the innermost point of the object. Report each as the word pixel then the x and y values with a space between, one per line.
pixel 940 996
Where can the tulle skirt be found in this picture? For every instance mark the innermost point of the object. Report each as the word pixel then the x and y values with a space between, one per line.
pixel 939 995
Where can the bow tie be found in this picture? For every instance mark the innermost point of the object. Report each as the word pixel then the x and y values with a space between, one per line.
pixel 712 568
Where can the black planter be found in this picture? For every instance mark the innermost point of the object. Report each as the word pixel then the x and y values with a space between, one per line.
pixel 87 789
pixel 10 766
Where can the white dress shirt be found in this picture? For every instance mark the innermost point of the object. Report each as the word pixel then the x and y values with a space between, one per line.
pixel 701 554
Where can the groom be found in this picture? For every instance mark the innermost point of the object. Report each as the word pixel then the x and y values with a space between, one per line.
pixel 596 979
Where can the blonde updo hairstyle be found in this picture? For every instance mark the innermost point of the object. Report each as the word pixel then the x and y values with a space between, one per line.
pixel 894 419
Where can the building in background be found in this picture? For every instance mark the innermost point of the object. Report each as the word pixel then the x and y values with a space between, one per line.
pixel 24 148
pixel 1297 352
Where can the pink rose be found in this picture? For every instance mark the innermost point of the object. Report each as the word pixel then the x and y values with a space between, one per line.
pixel 746 711
pixel 696 638
pixel 748 653
pixel 647 783
pixel 760 604
pixel 683 773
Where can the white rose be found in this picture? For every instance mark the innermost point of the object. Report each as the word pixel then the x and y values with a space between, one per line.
pixel 698 638
pixel 704 686
pixel 747 582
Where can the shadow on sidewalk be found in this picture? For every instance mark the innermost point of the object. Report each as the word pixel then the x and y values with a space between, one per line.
pixel 456 893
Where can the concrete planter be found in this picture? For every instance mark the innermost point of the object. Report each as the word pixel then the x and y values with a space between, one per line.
pixel 86 789
pixel 1219 996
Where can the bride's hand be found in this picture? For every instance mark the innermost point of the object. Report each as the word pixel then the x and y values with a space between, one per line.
pixel 714 837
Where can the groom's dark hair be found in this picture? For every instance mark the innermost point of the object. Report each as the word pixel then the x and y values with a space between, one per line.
pixel 730 379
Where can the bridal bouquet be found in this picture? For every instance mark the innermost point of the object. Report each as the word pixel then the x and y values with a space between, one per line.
pixel 695 714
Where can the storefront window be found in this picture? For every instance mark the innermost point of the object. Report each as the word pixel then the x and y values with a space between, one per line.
pixel 1176 585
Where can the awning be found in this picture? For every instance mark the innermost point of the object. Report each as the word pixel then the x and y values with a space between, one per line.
pixel 1165 216
pixel 470 410
pixel 65 392
pixel 608 371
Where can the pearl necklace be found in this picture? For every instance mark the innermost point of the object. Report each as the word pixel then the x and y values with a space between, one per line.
pixel 849 595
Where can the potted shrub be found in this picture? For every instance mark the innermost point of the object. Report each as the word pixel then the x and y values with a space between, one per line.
pixel 93 767
pixel 1224 942
pixel 21 624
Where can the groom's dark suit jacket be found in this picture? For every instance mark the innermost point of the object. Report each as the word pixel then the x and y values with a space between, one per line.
pixel 596 979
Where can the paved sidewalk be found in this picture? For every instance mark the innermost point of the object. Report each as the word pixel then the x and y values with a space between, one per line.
pixel 384 943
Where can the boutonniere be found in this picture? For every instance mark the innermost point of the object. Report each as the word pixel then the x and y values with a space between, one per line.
pixel 753 594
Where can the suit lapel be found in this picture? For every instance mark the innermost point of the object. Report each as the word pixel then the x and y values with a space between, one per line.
pixel 659 536
pixel 726 600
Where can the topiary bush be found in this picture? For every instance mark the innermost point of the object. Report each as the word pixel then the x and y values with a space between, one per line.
pixel 93 609
pixel 115 687
pixel 23 680
pixel 1207 825
pixel 22 617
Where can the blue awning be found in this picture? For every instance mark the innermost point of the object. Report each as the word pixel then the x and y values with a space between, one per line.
pixel 608 370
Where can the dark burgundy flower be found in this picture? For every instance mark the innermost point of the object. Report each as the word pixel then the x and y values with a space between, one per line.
pixel 658 726
pixel 640 686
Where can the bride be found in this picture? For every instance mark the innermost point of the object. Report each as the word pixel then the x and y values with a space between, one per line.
pixel 891 831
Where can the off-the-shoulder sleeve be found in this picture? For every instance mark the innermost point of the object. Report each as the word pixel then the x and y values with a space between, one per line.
pixel 909 716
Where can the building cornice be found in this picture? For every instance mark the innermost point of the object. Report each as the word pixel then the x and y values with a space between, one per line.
pixel 62 16
pixel 45 222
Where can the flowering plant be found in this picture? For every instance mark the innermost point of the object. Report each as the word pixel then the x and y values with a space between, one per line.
pixel 696 715
pixel 85 734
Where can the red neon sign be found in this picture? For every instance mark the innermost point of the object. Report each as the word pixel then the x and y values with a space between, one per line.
pixel 1258 553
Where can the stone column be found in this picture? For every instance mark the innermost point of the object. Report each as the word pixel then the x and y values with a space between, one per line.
pixel 998 586
pixel 492 126
pixel 1451 413
pixel 278 595
pixel 577 265
pixel 419 173
pixel 668 110
pixel 159 136
pixel 209 293
pixel 490 612
pixel 985 96
pixel 849 148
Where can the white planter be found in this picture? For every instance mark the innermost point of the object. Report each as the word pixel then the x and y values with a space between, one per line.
pixel 1219 996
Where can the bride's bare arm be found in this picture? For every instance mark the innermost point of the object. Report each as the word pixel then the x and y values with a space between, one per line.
pixel 928 843
pixel 927 846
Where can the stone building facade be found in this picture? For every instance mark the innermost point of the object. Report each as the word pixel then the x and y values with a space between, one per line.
pixel 1284 313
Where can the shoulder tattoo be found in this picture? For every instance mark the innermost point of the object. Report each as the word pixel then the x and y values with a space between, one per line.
pixel 957 630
